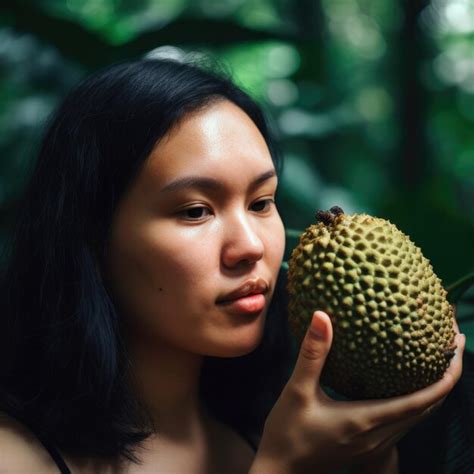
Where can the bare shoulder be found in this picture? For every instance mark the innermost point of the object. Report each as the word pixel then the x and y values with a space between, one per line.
pixel 20 450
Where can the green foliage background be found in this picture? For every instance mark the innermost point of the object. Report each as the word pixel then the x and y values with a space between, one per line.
pixel 373 99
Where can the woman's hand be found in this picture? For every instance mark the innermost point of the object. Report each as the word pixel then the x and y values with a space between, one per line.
pixel 308 432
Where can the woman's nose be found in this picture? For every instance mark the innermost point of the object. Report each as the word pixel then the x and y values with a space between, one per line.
pixel 242 243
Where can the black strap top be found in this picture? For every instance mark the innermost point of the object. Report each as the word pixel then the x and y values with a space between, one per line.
pixel 55 454
pixel 48 445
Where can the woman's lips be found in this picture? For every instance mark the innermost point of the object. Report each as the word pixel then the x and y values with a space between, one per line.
pixel 249 304
pixel 250 287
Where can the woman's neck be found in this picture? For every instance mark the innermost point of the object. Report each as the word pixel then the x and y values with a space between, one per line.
pixel 166 381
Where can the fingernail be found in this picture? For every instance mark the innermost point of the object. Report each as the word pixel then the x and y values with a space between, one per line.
pixel 317 327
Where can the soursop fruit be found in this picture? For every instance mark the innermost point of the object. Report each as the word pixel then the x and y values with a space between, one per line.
pixel 392 324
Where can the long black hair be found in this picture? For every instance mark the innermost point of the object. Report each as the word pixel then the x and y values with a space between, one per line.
pixel 63 362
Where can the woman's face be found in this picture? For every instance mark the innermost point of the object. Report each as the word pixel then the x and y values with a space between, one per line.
pixel 197 223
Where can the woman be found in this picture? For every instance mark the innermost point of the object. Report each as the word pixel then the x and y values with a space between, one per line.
pixel 144 327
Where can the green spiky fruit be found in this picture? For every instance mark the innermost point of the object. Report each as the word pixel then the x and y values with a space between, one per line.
pixel 392 324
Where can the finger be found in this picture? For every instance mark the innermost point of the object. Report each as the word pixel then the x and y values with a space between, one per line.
pixel 455 367
pixel 394 432
pixel 405 407
pixel 390 435
pixel 312 354
pixel 433 409
pixel 384 444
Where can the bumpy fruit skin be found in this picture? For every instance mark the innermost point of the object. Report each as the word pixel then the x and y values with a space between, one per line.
pixel 393 326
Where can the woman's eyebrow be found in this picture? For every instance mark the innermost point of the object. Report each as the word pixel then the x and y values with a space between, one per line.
pixel 208 183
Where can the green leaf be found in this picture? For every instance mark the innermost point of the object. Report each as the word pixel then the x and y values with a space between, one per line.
pixel 293 233
pixel 458 288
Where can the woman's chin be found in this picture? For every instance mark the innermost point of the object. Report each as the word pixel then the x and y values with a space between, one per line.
pixel 237 347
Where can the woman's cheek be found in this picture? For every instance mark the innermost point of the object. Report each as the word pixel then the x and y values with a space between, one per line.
pixel 278 240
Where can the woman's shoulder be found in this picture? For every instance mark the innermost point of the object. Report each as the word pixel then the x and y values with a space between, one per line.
pixel 20 449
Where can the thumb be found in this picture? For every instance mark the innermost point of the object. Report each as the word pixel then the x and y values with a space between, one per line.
pixel 312 355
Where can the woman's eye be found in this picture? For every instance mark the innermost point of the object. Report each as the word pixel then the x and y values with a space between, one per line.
pixel 262 205
pixel 194 213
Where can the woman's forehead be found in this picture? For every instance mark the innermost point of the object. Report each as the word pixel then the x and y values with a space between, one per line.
pixel 217 141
